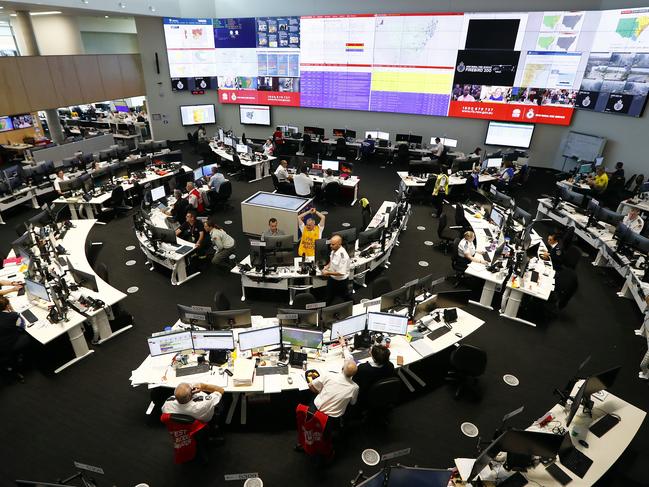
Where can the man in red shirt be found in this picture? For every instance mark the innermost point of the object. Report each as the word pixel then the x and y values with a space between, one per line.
pixel 278 140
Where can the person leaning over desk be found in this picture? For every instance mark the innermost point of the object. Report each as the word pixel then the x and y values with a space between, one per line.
pixel 337 270
pixel 222 242
pixel 600 182
pixel 194 197
pixel 554 253
pixel 369 373
pixel 192 230
pixel 272 230
pixel 310 231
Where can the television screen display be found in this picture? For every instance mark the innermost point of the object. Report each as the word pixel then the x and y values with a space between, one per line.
pixel 197 114
pixel 254 115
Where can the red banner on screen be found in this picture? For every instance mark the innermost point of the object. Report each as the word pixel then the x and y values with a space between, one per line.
pixel 245 97
pixel 512 112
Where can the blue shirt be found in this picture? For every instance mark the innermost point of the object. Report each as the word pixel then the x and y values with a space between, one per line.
pixel 216 181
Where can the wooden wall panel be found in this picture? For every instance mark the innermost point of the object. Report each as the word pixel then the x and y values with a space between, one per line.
pixel 92 89
pixel 132 74
pixel 111 76
pixel 65 80
pixel 13 98
pixel 37 81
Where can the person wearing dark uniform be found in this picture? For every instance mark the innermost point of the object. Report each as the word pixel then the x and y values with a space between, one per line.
pixel 14 341
pixel 369 373
pixel 192 230
pixel 554 251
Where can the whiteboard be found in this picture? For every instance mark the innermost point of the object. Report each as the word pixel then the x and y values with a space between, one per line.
pixel 583 146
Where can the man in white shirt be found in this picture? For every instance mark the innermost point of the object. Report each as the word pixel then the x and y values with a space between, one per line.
pixel 329 178
pixel 335 391
pixel 60 176
pixel 466 248
pixel 216 179
pixel 337 270
pixel 198 401
pixel 281 172
pixel 303 183
pixel 439 148
pixel 633 221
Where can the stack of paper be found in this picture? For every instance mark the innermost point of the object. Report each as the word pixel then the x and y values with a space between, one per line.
pixel 244 371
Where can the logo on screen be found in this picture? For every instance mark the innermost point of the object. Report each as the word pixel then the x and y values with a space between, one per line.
pixel 461 68
pixel 224 96
pixel 516 113
pixel 530 113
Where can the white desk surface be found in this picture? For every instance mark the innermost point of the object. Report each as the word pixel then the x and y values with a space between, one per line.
pixel 244 160
pixel 153 369
pixel 158 218
pixel 642 205
pixel 415 181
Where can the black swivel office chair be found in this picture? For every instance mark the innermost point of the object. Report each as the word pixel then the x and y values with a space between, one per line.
pixel 460 219
pixel 331 193
pixel 220 198
pixel 341 148
pixel 565 286
pixel 239 170
pixel 382 398
pixel 570 257
pixel 568 237
pixel 468 363
pixel 301 300
pixel 221 302
pixel 121 317
pixel 381 286
pixel 116 204
pixel 366 217
pixel 403 155
pixel 445 233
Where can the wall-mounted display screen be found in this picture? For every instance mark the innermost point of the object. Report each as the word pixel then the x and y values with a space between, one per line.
pixel 6 124
pixel 197 114
pixel 533 67
pixel 510 134
pixel 254 115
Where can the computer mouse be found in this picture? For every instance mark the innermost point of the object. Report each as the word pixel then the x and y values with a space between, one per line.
pixel 290 380
pixel 583 443
pixel 458 334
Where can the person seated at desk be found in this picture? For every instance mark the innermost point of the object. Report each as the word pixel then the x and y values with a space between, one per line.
pixel 367 147
pixel 633 220
pixel 198 401
pixel 272 230
pixel 60 177
pixel 216 179
pixel 369 373
pixel 201 134
pixel 222 243
pixel 329 178
pixel 268 148
pixel 192 230
pixel 635 184
pixel 439 148
pixel 335 391
pixel 466 248
pixel 179 210
pixel 15 286
pixel 281 173
pixel 302 182
pixel 310 231
pixel 554 254
pixel 440 191
pixel 337 271
pixel 600 182
pixel 616 177
pixel 194 197
pixel 14 341
pixel 476 153
pixel 506 175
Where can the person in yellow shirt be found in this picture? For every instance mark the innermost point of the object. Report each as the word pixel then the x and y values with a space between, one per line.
pixel 599 183
pixel 440 192
pixel 310 231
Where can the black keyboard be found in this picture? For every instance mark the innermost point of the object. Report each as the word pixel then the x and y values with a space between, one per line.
pixel 360 354
pixel 184 249
pixel 438 333
pixel 604 425
pixel 516 480
pixel 488 233
pixel 272 370
pixel 576 462
pixel 29 316
pixel 558 474
pixel 192 369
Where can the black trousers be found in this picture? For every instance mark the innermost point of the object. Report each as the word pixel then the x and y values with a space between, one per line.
pixel 337 289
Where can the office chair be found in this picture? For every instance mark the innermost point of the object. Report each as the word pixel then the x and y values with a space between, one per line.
pixel 565 286
pixel 460 219
pixel 221 302
pixel 181 427
pixel 458 264
pixel 301 300
pixel 570 257
pixel 468 363
pixel 341 149
pixel 239 170
pixel 121 317
pixel 568 237
pixel 381 286
pixel 101 270
pixel 366 217
pixel 403 155
pixel 382 398
pixel 20 229
pixel 444 233
pixel 116 204
pixel 220 198
pixel 332 192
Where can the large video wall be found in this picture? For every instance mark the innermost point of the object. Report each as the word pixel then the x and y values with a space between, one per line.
pixel 530 67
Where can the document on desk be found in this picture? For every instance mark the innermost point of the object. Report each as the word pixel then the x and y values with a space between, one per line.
pixel 302 384
pixel 464 467
pixel 273 383
pixel 423 347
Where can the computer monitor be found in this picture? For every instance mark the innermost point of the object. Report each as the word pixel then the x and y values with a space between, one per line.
pixel 198 173
pixel 41 219
pixel 167 343
pixel 599 161
pixel 494 162
pixel 101 177
pixel 390 323
pixel 638 242
pixel 401 476
pixel 86 183
pixel 284 258
pixel 372 134
pixel 350 134
pixel 314 131
pixel 193 315
pixel 349 326
pixel 502 199
pixel 227 141
pixel 322 252
pixel 242 149
pixel 367 237
pixel 402 138
pixel 427 284
pixel 456 298
pixel 399 298
pixel 533 250
pixel 279 242
pixel 530 443
pixel 576 199
pixel 119 170
pixel 522 216
pixel 338 132
pixel 608 216
pixel 425 307
pixel 24 243
pixel 232 318
pixel 336 312
pixel 300 318
pixel 84 279
pixel 163 235
pixel 333 165
pixel 585 169
pixel 207 169
pixel 594 383
pixel 298 337
pixel 36 290
pixel 213 340
pixel 621 233
pixel 260 337
pixel 68 185
pixel 379 479
pixel 497 217
pixel 383 135
pixel 349 239
pixel 158 193
pixel 416 139
pixel 137 165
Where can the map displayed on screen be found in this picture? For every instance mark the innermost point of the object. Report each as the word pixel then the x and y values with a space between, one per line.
pixel 511 66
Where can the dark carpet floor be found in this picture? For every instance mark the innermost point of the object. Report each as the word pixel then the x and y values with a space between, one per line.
pixel 91 414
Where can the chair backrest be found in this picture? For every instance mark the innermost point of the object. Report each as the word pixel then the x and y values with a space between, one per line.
pixel 568 237
pixel 332 189
pixel 380 286
pixel 566 284
pixel 366 216
pixel 469 360
pixel 384 393
pixel 117 196
pixel 302 299
pixel 225 191
pixel 460 219
pixel 181 428
pixel 441 224
pixel 101 270
pixel 221 302
pixel 570 257
pixel 275 180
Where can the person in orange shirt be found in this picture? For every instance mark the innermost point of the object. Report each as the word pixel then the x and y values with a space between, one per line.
pixel 310 231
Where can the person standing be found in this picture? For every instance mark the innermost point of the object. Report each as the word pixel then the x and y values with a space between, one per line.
pixel 310 231
pixel 194 197
pixel 440 191
pixel 337 271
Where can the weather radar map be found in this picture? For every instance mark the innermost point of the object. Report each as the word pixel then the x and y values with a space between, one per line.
pixel 559 31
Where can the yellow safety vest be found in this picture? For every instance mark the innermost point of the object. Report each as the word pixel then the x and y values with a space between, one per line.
pixel 307 242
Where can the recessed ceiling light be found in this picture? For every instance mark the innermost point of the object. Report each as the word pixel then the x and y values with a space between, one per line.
pixel 85 2
pixel 121 5
pixel 51 12
pixel 151 8
pixel 105 16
